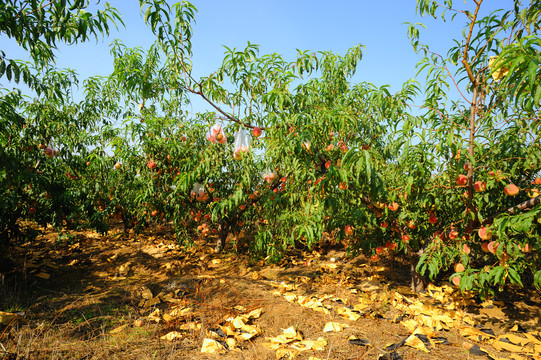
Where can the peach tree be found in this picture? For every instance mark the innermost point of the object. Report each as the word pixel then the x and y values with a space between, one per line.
pixel 471 161
pixel 38 136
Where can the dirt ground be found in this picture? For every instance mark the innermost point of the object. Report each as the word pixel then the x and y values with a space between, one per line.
pixel 85 296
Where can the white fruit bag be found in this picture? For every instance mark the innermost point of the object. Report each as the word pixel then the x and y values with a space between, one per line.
pixel 269 176
pixel 216 134
pixel 242 144
pixel 198 192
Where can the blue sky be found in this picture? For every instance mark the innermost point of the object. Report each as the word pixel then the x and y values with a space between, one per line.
pixel 283 26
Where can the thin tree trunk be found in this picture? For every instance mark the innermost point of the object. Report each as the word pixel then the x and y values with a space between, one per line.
pixel 418 282
pixel 222 236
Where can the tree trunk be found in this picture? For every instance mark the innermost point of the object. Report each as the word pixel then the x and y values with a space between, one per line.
pixel 418 282
pixel 222 236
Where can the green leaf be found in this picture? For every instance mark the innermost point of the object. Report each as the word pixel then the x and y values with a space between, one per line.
pixel 537 279
pixel 514 276
pixel 532 70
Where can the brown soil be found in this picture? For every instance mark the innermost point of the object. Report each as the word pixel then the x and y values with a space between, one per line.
pixel 84 296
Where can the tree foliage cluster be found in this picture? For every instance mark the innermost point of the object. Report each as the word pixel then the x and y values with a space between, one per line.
pixel 453 183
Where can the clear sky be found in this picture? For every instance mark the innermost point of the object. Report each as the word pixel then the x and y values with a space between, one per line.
pixel 282 26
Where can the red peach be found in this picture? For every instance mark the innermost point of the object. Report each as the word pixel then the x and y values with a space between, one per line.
pixel 462 180
pixel 511 190
pixel 256 132
pixel 459 267
pixel 484 233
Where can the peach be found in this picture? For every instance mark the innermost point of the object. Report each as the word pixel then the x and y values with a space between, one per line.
pixel 479 186
pixel 459 267
pixel 456 280
pixel 393 206
pixel 484 233
pixel 511 190
pixel 466 249
pixel 484 246
pixel 348 230
pixel 527 248
pixel 462 180
pixel 493 246
pixel 256 132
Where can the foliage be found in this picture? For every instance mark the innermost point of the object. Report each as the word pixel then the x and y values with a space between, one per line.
pixel 347 160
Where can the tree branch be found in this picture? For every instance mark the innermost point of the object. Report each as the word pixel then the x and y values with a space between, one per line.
pixel 513 210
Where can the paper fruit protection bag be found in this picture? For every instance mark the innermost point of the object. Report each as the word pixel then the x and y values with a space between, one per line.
pixel 216 134
pixel 242 144
pixel 198 192
pixel 269 176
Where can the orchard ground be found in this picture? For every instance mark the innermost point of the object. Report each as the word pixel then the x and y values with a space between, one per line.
pixel 85 296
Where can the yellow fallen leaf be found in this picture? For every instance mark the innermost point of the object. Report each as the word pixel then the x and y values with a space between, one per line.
pixel 290 297
pixel 211 346
pixel 286 354
pixel 248 331
pixel 291 333
pixel 474 334
pixel 348 313
pixel 172 335
pixel 179 312
pixel 532 338
pixel 503 345
pixel 118 329
pixel 517 340
pixel 410 324
pixel 321 309
pixel 271 345
pixel 231 343
pixel 414 342
pixel 155 316
pixel 285 287
pixel 43 275
pixel 254 314
pixel 190 326
pixel 229 329
pixel 334 326
pixel 167 297
pixel 238 322
pixel 7 318
pixel 360 307
pixel 147 294
pixel 317 345
pixel 288 335
pixel 517 357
